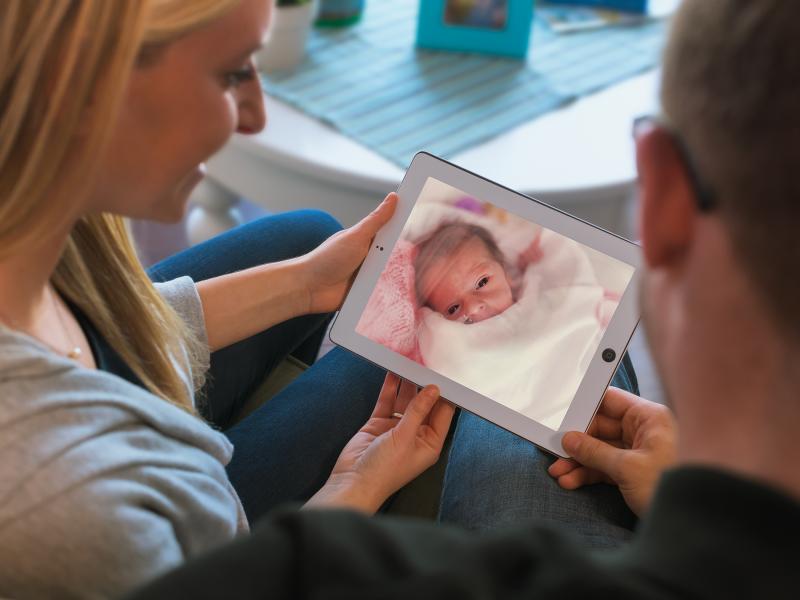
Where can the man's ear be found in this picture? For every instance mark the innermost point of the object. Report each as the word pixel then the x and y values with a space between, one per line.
pixel 667 206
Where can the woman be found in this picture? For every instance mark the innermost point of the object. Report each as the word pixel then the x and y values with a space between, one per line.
pixel 109 473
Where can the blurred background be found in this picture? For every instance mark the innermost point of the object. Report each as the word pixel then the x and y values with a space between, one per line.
pixel 538 96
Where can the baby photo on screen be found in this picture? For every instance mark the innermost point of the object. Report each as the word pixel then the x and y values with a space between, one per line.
pixel 487 14
pixel 494 302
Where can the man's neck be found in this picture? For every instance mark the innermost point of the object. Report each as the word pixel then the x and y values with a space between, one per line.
pixel 738 404
pixel 730 371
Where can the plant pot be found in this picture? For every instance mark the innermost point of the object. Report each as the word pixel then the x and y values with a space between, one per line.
pixel 336 13
pixel 285 47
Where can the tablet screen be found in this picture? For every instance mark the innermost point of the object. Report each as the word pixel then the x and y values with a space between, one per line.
pixel 494 302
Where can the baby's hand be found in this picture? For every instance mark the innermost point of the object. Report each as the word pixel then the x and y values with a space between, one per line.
pixel 606 307
pixel 532 254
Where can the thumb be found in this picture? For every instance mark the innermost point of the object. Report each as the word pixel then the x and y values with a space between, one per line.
pixel 417 411
pixel 378 217
pixel 591 452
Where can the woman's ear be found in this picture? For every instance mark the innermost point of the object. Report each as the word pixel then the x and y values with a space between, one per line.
pixel 667 206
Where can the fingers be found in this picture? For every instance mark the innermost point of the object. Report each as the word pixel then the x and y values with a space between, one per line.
pixel 593 453
pixel 417 411
pixel 386 398
pixel 405 394
pixel 605 428
pixel 562 466
pixel 616 402
pixel 580 477
pixel 571 475
pixel 441 416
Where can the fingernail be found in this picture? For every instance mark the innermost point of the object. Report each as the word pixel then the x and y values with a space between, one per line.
pixel 571 442
pixel 431 391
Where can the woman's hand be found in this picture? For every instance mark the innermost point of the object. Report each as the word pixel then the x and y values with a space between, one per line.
pixel 630 443
pixel 330 268
pixel 388 452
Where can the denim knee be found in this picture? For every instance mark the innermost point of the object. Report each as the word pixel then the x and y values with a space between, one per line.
pixel 317 226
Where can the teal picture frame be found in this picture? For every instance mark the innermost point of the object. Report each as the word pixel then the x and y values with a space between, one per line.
pixel 512 39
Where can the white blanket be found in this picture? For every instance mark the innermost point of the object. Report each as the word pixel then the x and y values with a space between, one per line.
pixel 533 356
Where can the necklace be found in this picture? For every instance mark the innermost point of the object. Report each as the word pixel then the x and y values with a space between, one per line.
pixel 75 353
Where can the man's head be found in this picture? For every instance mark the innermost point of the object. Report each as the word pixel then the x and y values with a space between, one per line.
pixel 731 90
pixel 731 93
pixel 720 204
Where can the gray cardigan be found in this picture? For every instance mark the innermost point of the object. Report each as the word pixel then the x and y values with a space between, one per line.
pixel 103 485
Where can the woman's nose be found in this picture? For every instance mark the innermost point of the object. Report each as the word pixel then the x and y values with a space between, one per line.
pixel 252 113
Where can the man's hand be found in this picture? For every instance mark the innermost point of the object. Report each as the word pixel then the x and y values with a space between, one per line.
pixel 403 437
pixel 329 269
pixel 630 442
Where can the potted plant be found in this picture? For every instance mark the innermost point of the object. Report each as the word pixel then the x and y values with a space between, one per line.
pixel 285 47
pixel 335 13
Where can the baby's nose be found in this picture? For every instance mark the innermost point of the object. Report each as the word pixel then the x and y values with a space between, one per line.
pixel 475 309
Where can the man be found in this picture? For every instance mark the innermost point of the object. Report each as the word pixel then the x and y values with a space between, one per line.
pixel 720 205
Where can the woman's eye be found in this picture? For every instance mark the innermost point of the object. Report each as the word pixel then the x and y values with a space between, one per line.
pixel 453 309
pixel 240 76
pixel 482 282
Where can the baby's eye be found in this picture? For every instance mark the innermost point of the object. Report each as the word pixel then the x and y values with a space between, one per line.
pixel 452 309
pixel 482 282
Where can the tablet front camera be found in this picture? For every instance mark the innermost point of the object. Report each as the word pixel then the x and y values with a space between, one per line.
pixel 609 355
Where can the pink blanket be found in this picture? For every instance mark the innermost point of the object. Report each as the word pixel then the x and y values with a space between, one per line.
pixel 390 316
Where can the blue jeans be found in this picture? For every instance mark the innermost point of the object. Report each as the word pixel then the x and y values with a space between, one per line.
pixel 284 451
pixel 496 479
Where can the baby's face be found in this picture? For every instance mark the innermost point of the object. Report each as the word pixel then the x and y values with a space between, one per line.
pixel 469 285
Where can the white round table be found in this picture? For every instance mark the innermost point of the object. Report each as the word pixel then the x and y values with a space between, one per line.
pixel 579 158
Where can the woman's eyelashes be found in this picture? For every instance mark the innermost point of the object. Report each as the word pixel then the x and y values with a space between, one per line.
pixel 453 309
pixel 483 281
pixel 235 78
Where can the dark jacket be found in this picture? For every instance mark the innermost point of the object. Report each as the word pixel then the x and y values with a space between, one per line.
pixel 707 535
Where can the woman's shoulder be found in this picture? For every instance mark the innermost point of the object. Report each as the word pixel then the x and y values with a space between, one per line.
pixel 52 407
pixel 103 474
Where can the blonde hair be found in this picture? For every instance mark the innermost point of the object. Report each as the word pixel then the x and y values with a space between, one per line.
pixel 64 65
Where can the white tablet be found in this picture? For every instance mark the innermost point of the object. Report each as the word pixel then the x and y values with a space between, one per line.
pixel 519 312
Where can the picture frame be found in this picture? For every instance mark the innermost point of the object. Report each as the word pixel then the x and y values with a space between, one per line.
pixel 499 27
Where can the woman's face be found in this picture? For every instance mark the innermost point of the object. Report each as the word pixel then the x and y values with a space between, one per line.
pixel 178 111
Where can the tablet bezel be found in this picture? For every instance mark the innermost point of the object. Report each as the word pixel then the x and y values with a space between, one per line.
pixel 598 375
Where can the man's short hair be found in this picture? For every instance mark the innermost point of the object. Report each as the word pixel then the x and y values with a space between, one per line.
pixel 731 88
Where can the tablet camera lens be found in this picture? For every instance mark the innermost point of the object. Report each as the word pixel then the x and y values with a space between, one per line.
pixel 609 355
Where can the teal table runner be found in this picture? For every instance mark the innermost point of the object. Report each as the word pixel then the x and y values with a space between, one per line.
pixel 369 81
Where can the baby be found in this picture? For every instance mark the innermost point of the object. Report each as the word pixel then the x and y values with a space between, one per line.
pixel 461 273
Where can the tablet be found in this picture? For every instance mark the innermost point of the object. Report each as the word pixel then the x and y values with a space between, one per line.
pixel 518 311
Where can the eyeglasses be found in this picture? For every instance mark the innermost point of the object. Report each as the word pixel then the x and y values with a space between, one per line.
pixel 704 194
